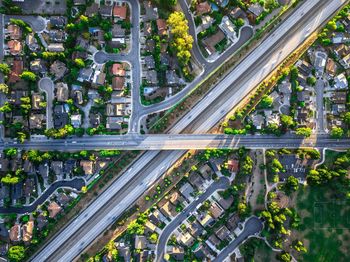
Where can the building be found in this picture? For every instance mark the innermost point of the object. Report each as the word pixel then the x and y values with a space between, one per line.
pixel 119 13
pixel 62 92
pixel 228 28
pixel 88 166
pixel 53 209
pixel 15 233
pixel 203 8
pixel 55 47
pixel 27 231
pixel 15 47
pixel 161 26
pixel 58 69
pixel 211 41
pixel 340 82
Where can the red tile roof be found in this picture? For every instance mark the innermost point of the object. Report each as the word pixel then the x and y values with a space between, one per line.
pixel 118 70
pixel 119 11
pixel 118 83
pixel 16 70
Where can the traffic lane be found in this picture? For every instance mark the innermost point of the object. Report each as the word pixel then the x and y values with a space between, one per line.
pixel 222 184
pixel 251 227
pixel 76 183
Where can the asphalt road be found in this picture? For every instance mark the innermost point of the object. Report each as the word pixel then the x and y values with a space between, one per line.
pixel 73 239
pixel 222 184
pixel 46 85
pixel 251 227
pixel 179 142
pixel 76 183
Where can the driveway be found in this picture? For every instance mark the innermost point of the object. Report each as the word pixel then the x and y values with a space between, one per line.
pixel 319 88
pixel 222 184
pixel 46 85
pixel 252 226
pixel 76 183
pixel 37 23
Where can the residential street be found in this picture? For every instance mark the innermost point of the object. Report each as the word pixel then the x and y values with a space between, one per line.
pixel 46 85
pixel 76 183
pixel 222 184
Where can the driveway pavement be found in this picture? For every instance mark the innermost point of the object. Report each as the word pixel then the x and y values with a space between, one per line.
pixel 76 183
pixel 46 85
pixel 222 184
pixel 252 226
pixel 319 88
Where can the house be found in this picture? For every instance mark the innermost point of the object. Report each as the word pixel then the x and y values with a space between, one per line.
pixel 76 120
pixel 15 233
pixel 53 209
pixel 62 92
pixel 4 249
pixel 16 70
pixel 171 78
pixel 149 62
pixel 61 117
pixel 168 210
pixel 118 83
pixel 95 120
pixel 211 41
pixel 83 43
pixel 37 98
pixel 36 121
pixel 202 252
pixel 331 67
pixel 140 242
pixel 258 120
pixel 85 75
pixel 304 67
pixel 341 50
pixel 79 2
pixel 38 66
pixel 91 10
pixel 205 219
pixel 237 13
pixel 232 222
pixel 106 11
pixel 255 10
pixel 216 210
pixel 156 217
pixel 99 79
pixel 88 166
pixel 319 61
pixel 228 28
pixel 57 36
pixel 55 47
pixel 339 97
pixel 118 70
pixel 197 181
pixel 27 231
pixel 340 82
pixel 150 77
pixel 233 165
pixel 176 252
pixel 187 190
pixel 214 240
pixel 195 229
pixel 207 21
pixel 57 167
pixel 225 203
pixel 78 97
pixel 14 32
pixel 114 122
pixel 15 47
pixel 69 166
pixel 203 8
pixel 175 198
pixel 345 62
pixel 222 233
pixel 41 221
pixel 43 170
pixel 161 26
pixel 147 29
pixel 63 199
pixel 32 43
pixel 57 22
pixel 186 239
pixel 117 31
pixel 119 13
pixel 58 69
pixel 151 13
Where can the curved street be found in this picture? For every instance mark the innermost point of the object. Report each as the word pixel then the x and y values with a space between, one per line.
pixel 76 183
pixel 46 85
pixel 222 184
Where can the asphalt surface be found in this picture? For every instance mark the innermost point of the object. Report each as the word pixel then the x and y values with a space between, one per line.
pixel 73 239
pixel 179 142
pixel 222 184
pixel 46 85
pixel 251 227
pixel 76 183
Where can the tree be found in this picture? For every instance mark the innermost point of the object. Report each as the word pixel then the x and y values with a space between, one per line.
pixel 6 108
pixel 239 22
pixel 4 88
pixel 10 152
pixel 292 183
pixel 313 177
pixel 285 257
pixel 337 132
pixel 27 75
pixel 153 238
pixel 10 180
pixel 79 62
pixel 182 41
pixel 4 68
pixel 266 101
pixel 304 131
pixel 246 165
pixel 311 81
pixel 346 118
pixel 16 253
pixel 287 121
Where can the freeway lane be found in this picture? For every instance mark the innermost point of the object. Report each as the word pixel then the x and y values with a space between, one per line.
pixel 70 242
pixel 181 142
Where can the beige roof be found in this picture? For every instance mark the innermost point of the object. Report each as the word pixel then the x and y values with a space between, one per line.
pixel 53 209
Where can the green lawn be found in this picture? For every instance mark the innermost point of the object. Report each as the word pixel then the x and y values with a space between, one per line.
pixel 325 224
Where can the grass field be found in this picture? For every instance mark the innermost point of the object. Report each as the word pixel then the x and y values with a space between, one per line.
pixel 325 225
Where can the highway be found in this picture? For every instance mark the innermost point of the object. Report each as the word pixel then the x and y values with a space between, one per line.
pixel 76 236
pixel 180 142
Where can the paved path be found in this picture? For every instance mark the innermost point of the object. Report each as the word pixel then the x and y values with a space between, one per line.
pixel 222 184
pixel 76 183
pixel 252 226
pixel 46 85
